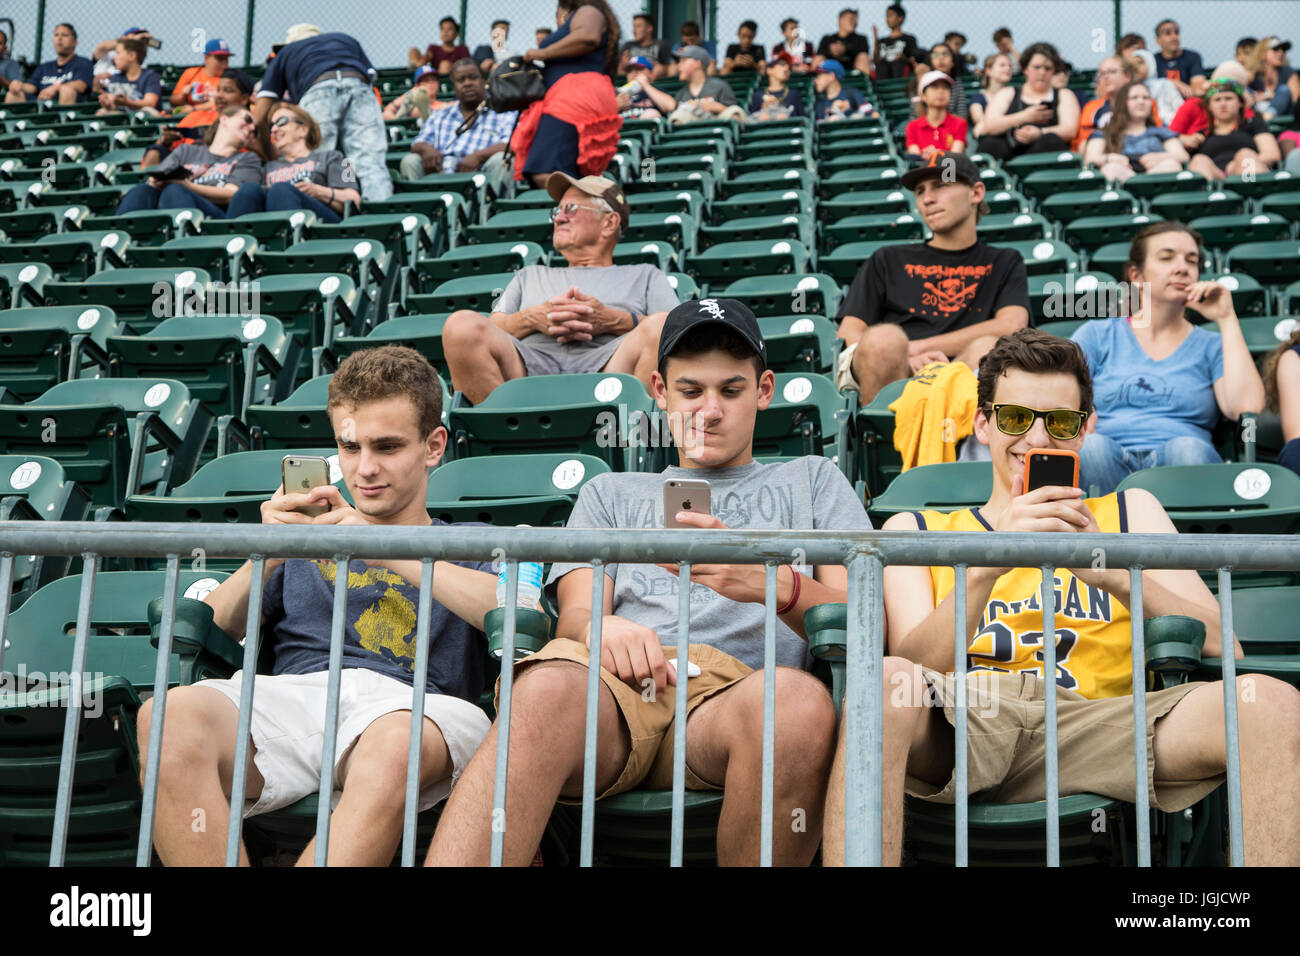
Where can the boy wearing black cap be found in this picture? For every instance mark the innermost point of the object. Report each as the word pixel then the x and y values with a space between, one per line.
pixel 949 298
pixel 712 380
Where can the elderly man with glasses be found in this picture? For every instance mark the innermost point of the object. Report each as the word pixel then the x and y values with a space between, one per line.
pixel 587 316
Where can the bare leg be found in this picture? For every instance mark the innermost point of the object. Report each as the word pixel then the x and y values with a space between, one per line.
pixel 724 744
pixel 547 734
pixel 1189 745
pixel 195 775
pixel 881 358
pixel 638 353
pixel 366 826
pixel 918 741
pixel 1245 161
pixel 1205 166
pixel 540 179
pixel 480 355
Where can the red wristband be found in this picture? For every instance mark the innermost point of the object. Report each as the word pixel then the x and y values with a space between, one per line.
pixel 794 594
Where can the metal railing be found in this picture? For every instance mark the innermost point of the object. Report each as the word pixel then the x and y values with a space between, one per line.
pixel 863 553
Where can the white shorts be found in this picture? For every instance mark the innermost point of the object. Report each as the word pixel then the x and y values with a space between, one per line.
pixel 288 729
pixel 844 368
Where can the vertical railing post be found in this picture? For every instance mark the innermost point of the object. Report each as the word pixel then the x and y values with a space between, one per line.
pixel 863 714
pixel 1141 798
pixel 503 713
pixel 248 34
pixel 1232 745
pixel 247 687
pixel 678 835
pixel 769 715
pixel 162 671
pixel 1047 595
pixel 960 650
pixel 72 716
pixel 329 747
pixel 7 590
pixel 594 651
pixel 419 686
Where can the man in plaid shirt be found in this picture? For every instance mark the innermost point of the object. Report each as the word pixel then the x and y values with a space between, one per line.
pixel 480 148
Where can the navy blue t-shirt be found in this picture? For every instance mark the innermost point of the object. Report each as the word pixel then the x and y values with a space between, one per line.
pixel 1182 68
pixel 382 612
pixel 822 105
pixel 51 72
pixel 147 82
pixel 294 68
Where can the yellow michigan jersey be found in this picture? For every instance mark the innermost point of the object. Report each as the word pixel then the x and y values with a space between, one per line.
pixel 1093 639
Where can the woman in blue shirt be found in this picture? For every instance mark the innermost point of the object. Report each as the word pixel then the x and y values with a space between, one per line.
pixel 1132 142
pixel 1160 383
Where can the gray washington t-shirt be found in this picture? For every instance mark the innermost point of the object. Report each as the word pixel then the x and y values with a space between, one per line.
pixel 807 493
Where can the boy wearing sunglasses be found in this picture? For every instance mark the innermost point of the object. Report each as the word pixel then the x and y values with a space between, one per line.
pixel 1035 393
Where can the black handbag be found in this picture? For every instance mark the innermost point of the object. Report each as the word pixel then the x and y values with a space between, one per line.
pixel 514 85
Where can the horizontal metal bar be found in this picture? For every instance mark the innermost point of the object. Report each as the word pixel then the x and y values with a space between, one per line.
pixel 147 539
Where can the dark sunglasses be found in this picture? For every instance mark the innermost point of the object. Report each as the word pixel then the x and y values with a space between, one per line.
pixel 1062 423
pixel 285 121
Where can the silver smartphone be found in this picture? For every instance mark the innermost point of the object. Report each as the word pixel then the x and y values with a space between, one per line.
pixel 685 494
pixel 301 474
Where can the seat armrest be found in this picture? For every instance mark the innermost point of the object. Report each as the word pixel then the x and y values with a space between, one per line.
pixel 1174 644
pixel 532 630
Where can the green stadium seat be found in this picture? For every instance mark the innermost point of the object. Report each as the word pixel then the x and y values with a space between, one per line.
pixel 506 490
pixel 609 416
pixel 767 180
pixel 673 228
pixel 228 361
pixel 870 202
pixel 842 263
pixel 42 346
pixel 1272 263
pixel 1010 227
pixel 684 285
pixel 655 252
pixel 531 225
pixel 878 461
pixel 1028 163
pixel 799 343
pixel 478 292
pixel 1005 201
pixel 808 294
pixel 23 283
pixel 1075 295
pixel 675 181
pixel 1249 298
pixel 274 231
pixel 100 200
pixel 761 202
pixel 1258 185
pixel 148 226
pixel 1186 206
pixel 364 261
pixel 103 825
pixel 478 259
pixel 1285 204
pixel 406 236
pixel 779 161
pixel 35 488
pixel 790 226
pixel 114 437
pixel 947 487
pixel 1042 183
pixel 71 255
pixel 772 146
pixel 879 227
pixel 140 297
pixel 1043 256
pixel 226 490
pixel 28 225
pixel 683 201
pixel 298 421
pixel 869 161
pixel 1240 498
pixel 854 180
pixel 1092 232
pixel 420 332
pixel 855 146
pixel 530 199
pixel 315 308
pixel 448 212
pixel 802 420
pixel 1222 232
pixel 729 261
pixel 1075 204
pixel 225 258
pixel 1263 619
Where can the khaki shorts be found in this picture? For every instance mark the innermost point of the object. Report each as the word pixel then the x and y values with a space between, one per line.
pixel 650 723
pixel 1006 740
pixel 844 368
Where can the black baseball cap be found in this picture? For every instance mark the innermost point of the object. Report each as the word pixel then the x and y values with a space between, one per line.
pixel 696 312
pixel 951 166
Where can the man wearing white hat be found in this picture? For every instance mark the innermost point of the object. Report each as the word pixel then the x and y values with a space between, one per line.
pixel 329 75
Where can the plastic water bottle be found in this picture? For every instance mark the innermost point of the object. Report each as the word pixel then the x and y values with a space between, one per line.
pixel 529 590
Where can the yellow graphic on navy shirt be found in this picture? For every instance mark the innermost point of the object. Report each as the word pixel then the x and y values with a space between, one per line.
pixel 389 623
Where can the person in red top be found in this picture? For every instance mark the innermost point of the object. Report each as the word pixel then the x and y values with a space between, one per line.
pixel 1193 117
pixel 197 87
pixel 442 55
pixel 937 130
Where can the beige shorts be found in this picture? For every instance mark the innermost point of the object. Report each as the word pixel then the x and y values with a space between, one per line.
pixel 844 368
pixel 650 722
pixel 1006 740
pixel 288 729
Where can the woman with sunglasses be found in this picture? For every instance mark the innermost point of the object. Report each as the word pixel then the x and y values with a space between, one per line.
pixel 1161 383
pixel 204 177
pixel 302 175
